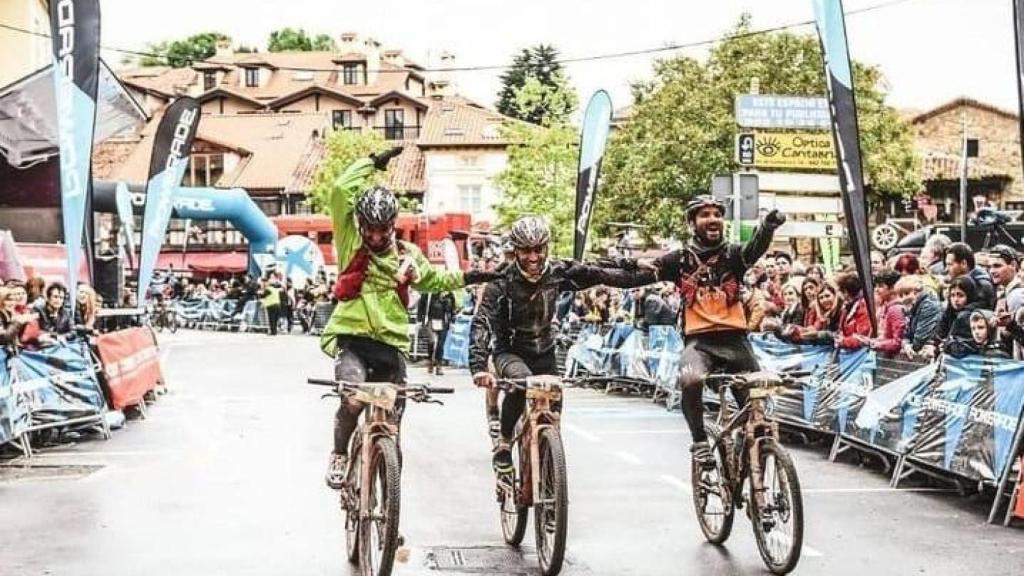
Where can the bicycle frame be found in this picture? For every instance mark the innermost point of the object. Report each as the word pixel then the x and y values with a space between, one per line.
pixel 379 421
pixel 756 426
pixel 539 415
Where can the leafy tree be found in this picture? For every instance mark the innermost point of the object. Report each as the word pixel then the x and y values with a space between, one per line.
pixel 182 53
pixel 683 128
pixel 540 179
pixel 296 40
pixel 546 104
pixel 343 148
pixel 539 62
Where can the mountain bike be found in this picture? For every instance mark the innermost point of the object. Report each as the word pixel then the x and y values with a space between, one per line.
pixel 539 477
pixel 371 497
pixel 747 454
pixel 166 317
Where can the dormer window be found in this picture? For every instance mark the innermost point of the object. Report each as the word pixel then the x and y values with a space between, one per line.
pixel 350 74
pixel 209 80
pixel 252 77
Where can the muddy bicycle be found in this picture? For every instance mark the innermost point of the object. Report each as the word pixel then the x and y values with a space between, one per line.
pixel 751 469
pixel 539 478
pixel 371 496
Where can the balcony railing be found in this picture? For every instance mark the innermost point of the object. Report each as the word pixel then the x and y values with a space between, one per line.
pixel 399 132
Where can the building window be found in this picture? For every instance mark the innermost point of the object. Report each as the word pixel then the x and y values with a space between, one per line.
pixel 350 74
pixel 470 198
pixel 394 124
pixel 209 80
pixel 469 160
pixel 252 77
pixel 204 170
pixel 271 206
pixel 341 119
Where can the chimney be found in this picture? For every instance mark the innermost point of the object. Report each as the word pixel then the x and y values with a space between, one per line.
pixel 443 82
pixel 394 57
pixel 371 49
pixel 348 39
pixel 224 50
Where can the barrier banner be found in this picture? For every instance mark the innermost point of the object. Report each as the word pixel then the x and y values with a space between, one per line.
pixel 13 415
pixel 889 414
pixel 56 383
pixel 665 347
pixel 967 424
pixel 842 388
pixel 131 365
pixel 795 406
pixel 456 345
pixel 586 352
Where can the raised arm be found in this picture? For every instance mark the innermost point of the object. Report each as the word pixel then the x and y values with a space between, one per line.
pixel 762 239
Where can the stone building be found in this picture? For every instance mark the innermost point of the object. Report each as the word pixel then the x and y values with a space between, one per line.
pixel 994 174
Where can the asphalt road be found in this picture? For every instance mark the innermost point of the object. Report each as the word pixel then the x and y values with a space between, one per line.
pixel 225 476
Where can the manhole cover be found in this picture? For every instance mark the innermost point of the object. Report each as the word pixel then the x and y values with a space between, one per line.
pixel 18 472
pixel 480 560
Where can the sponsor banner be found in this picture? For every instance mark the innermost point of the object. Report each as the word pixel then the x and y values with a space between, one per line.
pixel 126 216
pixel 795 406
pixel 596 123
pixel 14 415
pixel 888 416
pixel 49 261
pixel 131 365
pixel 171 148
pixel 794 150
pixel 771 111
pixel 56 383
pixel 75 33
pixel 843 110
pixel 968 422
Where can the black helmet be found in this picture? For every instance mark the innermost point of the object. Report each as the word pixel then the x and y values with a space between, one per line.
pixel 377 207
pixel 700 201
pixel 529 232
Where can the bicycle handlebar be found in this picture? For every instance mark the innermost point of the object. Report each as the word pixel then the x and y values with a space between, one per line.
pixel 415 389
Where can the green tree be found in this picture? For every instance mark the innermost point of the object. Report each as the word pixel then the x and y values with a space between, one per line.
pixel 539 62
pixel 182 53
pixel 682 130
pixel 540 179
pixel 343 148
pixel 296 40
pixel 546 104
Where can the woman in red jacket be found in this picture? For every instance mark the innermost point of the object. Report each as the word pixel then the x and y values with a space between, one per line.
pixel 854 323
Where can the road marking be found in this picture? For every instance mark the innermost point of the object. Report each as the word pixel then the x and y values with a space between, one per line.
pixel 677 482
pixel 811 552
pixel 629 457
pixel 871 490
pixel 100 453
pixel 581 433
pixel 634 432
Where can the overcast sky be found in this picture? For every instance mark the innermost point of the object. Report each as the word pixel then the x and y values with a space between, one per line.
pixel 930 50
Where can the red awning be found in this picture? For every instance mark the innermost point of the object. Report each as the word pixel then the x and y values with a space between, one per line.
pixel 205 262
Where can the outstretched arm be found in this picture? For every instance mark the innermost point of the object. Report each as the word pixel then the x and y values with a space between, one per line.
pixel 762 239
pixel 583 276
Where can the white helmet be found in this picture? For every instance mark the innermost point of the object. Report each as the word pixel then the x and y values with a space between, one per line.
pixel 529 232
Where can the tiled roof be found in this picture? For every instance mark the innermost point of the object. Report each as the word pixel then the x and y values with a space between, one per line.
pixel 941 166
pixel 456 121
pixel 406 173
pixel 271 146
pixel 963 101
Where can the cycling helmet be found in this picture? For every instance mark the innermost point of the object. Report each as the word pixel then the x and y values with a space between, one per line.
pixel 529 232
pixel 377 207
pixel 701 201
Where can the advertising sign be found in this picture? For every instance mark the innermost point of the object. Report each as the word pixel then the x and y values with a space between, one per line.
pixel 768 111
pixel 801 150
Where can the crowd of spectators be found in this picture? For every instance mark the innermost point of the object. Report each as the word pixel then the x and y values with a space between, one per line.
pixel 36 314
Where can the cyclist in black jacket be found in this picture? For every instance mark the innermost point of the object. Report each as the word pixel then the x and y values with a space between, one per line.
pixel 516 312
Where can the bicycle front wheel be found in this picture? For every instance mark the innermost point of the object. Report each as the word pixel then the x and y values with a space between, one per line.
pixel 777 509
pixel 172 323
pixel 513 515
pixel 712 496
pixel 350 504
pixel 378 535
pixel 551 505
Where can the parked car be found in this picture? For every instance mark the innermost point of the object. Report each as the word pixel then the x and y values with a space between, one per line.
pixel 988 228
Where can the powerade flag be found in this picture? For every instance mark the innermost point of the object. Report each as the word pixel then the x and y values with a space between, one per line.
pixel 166 167
pixel 1018 27
pixel 596 121
pixel 123 200
pixel 75 30
pixel 843 108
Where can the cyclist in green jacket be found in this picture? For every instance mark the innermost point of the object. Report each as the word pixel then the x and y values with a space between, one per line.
pixel 367 334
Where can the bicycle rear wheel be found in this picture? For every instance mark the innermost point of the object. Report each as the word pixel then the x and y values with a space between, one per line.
pixel 378 533
pixel 712 497
pixel 513 515
pixel 778 515
pixel 551 505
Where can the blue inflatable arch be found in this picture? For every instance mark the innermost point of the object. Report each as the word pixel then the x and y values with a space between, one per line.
pixel 233 205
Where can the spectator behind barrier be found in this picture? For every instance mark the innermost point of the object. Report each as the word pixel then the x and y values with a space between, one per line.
pixel 54 314
pixel 924 313
pixel 891 319
pixel 85 311
pixel 934 255
pixel 854 322
pixel 960 262
pixel 955 323
pixel 14 316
